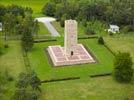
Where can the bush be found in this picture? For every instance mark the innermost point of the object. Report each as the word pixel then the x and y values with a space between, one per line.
pixel 123 71
pixel 101 40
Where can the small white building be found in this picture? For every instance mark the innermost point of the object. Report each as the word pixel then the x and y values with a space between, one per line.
pixel 0 26
pixel 113 29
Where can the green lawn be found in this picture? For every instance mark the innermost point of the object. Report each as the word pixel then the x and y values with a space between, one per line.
pixel 123 43
pixel 36 5
pixel 102 88
pixel 12 60
pixel 84 89
pixel 39 62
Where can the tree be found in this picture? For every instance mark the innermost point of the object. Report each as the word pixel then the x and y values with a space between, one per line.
pixel 60 10
pixel 2 12
pixel 62 21
pixel 101 40
pixel 123 71
pixel 15 10
pixel 27 87
pixel 27 33
pixel 29 79
pixel 49 9
pixel 9 24
pixel 72 10
pixel 35 82
pixel 27 40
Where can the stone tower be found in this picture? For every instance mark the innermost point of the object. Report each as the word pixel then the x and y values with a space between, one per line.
pixel 70 39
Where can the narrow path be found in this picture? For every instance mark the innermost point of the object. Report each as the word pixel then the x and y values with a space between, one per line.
pixel 47 22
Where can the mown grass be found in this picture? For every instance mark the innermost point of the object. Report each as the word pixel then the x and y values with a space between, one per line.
pixel 12 62
pixel 39 62
pixel 104 88
pixel 12 59
pixel 121 43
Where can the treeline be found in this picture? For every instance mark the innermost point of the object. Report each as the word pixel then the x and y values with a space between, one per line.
pixel 120 12
pixel 18 21
pixel 14 10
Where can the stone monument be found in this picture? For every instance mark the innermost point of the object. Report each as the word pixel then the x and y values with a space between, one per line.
pixel 72 52
pixel 70 40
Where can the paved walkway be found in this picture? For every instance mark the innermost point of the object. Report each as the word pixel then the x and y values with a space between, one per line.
pixel 47 22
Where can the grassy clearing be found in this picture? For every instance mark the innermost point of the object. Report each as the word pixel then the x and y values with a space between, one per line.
pixel 12 60
pixel 124 43
pixel 104 88
pixel 36 5
pixel 39 62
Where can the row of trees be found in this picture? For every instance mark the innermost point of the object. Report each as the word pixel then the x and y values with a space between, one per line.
pixel 118 12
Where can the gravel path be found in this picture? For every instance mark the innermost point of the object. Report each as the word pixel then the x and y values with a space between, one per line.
pixel 47 22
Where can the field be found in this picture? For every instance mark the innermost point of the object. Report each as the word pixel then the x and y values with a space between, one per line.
pixel 102 88
pixel 39 62
pixel 12 60
pixel 85 88
pixel 124 43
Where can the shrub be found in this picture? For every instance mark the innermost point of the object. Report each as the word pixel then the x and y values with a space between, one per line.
pixel 123 71
pixel 101 40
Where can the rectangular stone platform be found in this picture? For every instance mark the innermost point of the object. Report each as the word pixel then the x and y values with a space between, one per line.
pixel 59 58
